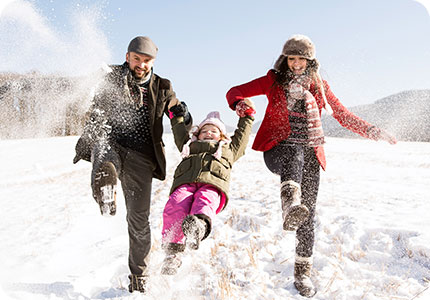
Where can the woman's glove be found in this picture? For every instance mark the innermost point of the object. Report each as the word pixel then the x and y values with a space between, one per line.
pixel 245 107
pixel 378 134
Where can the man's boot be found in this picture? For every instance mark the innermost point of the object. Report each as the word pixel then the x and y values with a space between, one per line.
pixel 302 276
pixel 172 261
pixel 194 228
pixel 137 283
pixel 104 188
pixel 293 212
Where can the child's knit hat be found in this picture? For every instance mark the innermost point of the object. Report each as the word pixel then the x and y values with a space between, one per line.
pixel 213 118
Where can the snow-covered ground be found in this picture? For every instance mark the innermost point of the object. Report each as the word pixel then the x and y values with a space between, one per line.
pixel 372 238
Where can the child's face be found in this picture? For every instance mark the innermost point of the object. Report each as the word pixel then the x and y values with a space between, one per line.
pixel 209 132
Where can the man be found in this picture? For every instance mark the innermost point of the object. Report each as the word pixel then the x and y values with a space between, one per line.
pixel 123 139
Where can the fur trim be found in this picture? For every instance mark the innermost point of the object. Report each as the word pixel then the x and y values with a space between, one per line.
pixel 278 63
pixel 218 152
pixel 299 45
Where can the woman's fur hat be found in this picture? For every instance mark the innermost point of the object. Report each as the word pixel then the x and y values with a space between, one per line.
pixel 299 45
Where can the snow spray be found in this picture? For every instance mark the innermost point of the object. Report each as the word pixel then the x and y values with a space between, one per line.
pixel 46 76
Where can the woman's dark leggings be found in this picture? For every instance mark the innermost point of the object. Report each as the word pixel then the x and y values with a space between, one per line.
pixel 300 164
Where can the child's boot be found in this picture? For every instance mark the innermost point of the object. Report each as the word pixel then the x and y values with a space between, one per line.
pixel 293 212
pixel 172 261
pixel 194 228
pixel 302 276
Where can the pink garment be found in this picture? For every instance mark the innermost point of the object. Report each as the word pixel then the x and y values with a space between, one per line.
pixel 189 199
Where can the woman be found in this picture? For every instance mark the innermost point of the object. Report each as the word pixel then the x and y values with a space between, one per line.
pixel 292 139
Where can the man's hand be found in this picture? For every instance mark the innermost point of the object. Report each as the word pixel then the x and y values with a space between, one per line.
pixel 180 110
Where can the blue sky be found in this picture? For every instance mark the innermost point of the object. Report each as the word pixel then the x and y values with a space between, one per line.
pixel 368 49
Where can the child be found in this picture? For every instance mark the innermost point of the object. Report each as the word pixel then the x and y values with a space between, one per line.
pixel 201 180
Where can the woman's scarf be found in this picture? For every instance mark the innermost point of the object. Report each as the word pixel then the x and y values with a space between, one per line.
pixel 298 90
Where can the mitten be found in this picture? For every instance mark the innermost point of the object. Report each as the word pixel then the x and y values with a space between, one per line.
pixel 245 108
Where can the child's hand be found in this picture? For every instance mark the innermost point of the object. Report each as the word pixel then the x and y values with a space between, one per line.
pixel 249 103
pixel 172 103
pixel 245 107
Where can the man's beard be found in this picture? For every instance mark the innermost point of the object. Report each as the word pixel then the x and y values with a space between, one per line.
pixel 145 73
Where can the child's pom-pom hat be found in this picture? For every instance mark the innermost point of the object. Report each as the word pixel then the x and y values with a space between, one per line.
pixel 213 118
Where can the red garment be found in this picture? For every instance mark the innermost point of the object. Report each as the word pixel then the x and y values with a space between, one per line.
pixel 275 126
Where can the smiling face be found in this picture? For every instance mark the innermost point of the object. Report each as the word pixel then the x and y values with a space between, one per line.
pixel 139 64
pixel 297 64
pixel 209 132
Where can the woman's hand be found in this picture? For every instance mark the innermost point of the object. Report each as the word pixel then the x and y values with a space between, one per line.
pixel 388 137
pixel 378 134
pixel 245 107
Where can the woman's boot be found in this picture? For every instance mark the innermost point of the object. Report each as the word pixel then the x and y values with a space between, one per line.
pixel 293 212
pixel 302 276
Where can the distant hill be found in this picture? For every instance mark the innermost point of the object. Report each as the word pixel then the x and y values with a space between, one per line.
pixel 406 115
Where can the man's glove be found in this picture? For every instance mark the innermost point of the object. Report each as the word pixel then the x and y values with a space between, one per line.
pixel 82 150
pixel 181 110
